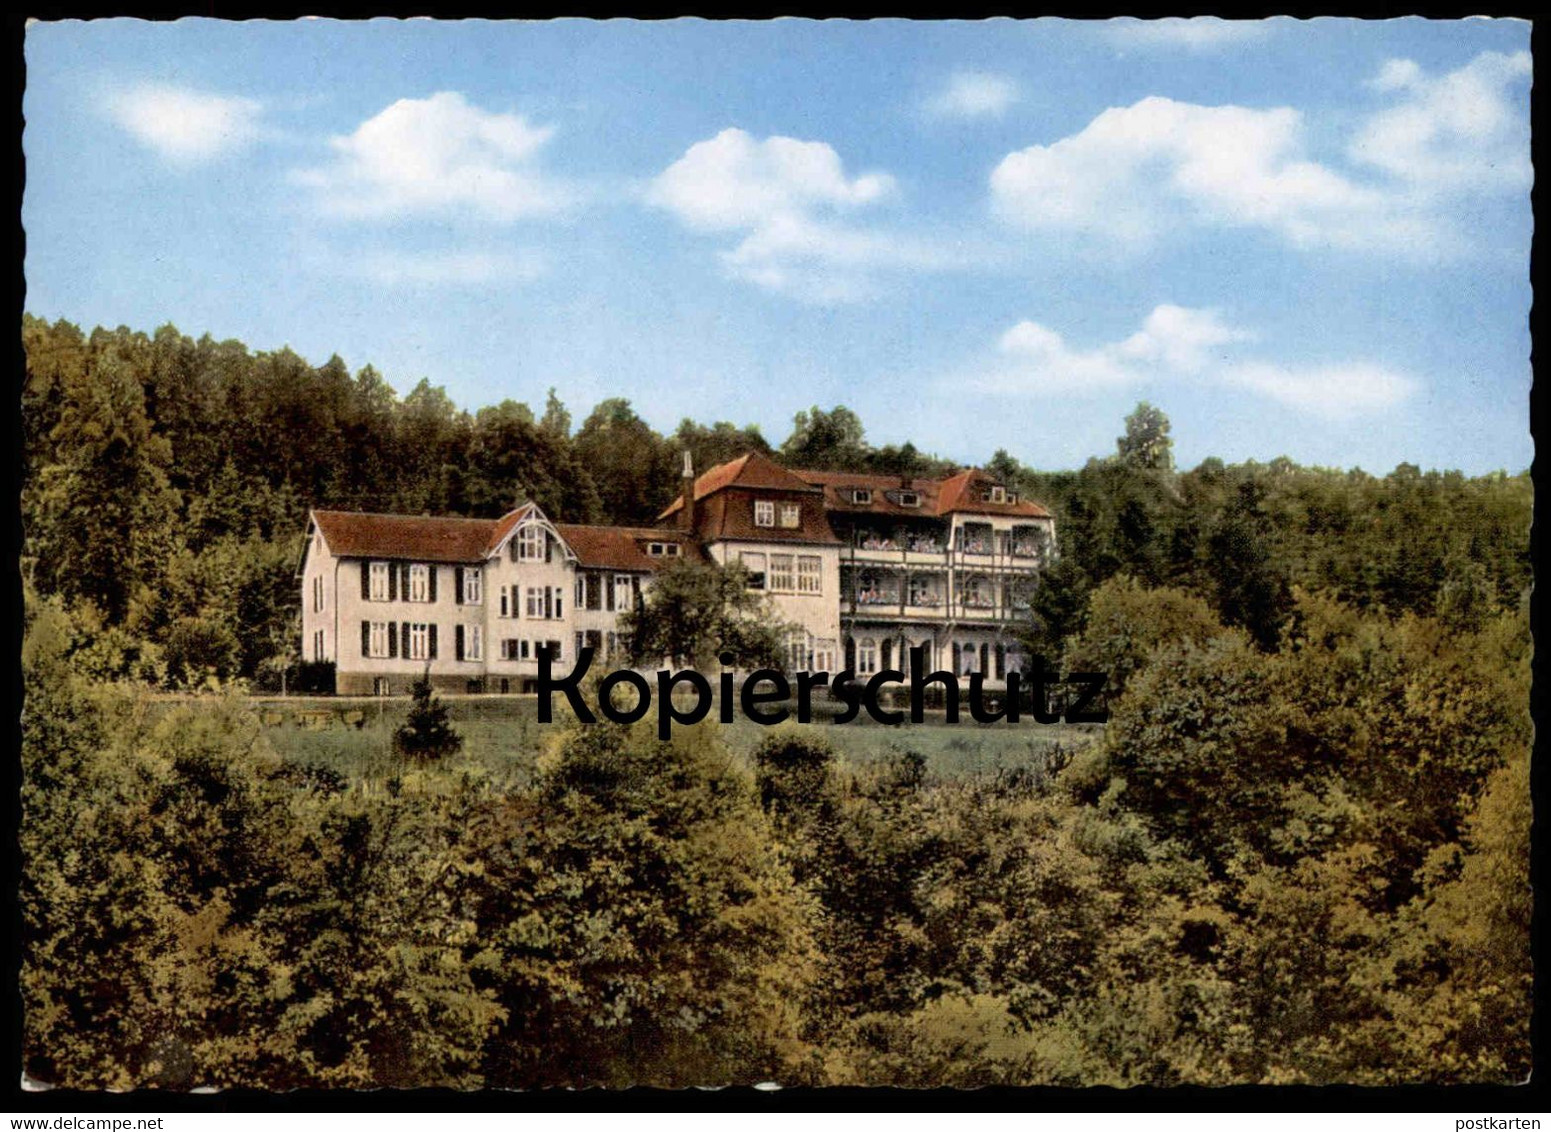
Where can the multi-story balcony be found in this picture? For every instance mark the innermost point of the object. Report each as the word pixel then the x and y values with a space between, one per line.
pixel 869 591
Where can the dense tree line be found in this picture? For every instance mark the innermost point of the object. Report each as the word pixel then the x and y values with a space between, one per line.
pixel 1293 867
pixel 1297 853
pixel 168 479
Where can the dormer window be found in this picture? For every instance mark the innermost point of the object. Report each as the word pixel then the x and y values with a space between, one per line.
pixel 791 515
pixel 663 549
pixel 909 499
pixel 764 513
pixel 861 495
pixel 998 494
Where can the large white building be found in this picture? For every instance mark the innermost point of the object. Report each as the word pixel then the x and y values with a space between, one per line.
pixel 864 567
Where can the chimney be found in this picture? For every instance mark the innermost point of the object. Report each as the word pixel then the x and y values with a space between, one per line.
pixel 687 513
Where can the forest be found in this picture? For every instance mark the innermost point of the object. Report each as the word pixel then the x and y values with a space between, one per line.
pixel 1297 853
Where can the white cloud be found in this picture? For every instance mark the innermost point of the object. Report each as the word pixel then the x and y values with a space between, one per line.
pixel 974 95
pixel 186 126
pixel 1464 131
pixel 1180 344
pixel 439 156
pixel 1342 390
pixel 1199 33
pixel 732 181
pixel 1180 338
pixel 791 202
pixel 1137 172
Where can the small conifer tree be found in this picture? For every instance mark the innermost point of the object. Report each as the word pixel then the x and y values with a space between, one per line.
pixel 426 732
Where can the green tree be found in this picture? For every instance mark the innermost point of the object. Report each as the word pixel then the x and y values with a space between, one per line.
pixel 634 468
pixel 641 925
pixel 695 612
pixel 1146 443
pixel 1126 623
pixel 832 441
pixel 427 732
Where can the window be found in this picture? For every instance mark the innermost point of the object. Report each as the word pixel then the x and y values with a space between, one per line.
pixel 663 549
pixel 797 650
pixel 619 596
pixel 473 585
pixel 594 591
pixel 379 587
pixel 317 645
pixel 861 495
pixel 506 604
pixel 419 583
pixel 419 642
pixel 764 513
pixel 754 562
pixel 377 639
pixel 317 594
pixel 969 655
pixel 866 656
pixel 791 515
pixel 530 543
pixel 474 642
pixel 781 573
pixel 509 648
pixel 610 645
pixel 535 601
pixel 824 655
pixel 810 574
pixel 909 499
pixel 998 495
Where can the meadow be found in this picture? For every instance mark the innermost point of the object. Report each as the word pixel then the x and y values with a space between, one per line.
pixel 502 739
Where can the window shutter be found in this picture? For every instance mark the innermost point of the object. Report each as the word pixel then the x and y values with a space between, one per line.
pixel 404 581
pixel 608 592
pixel 366 580
pixel 432 571
pixel 393 641
pixel 404 644
pixel 393 582
pixel 457 642
pixel 549 601
pixel 366 638
pixel 457 585
pixel 549 547
pixel 432 642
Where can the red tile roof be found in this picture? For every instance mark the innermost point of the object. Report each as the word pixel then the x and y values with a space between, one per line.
pixel 503 525
pixel 838 486
pixel 749 470
pixel 962 493
pixel 355 534
pixel 730 515
pixel 625 548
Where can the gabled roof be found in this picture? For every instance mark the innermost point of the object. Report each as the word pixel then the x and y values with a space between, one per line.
pixel 961 493
pixel 625 548
pixel 506 523
pixel 727 515
pixel 750 470
pixel 838 488
pixel 423 538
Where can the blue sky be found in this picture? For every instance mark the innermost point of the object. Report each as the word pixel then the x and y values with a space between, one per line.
pixel 1301 238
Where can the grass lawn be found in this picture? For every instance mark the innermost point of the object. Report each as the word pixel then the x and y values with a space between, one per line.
pixel 502 739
